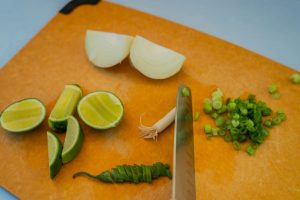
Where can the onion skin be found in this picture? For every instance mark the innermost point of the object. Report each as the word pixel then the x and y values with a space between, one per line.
pixel 106 49
pixel 153 60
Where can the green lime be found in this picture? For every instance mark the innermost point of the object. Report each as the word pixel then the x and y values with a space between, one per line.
pixel 73 140
pixel 64 107
pixel 23 115
pixel 54 154
pixel 101 110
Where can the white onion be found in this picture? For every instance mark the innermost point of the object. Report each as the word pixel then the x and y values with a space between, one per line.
pixel 106 49
pixel 153 60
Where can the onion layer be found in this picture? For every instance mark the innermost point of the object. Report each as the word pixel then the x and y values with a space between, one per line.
pixel 153 60
pixel 106 49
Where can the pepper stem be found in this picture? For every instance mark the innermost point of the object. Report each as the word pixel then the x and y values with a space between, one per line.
pixel 84 174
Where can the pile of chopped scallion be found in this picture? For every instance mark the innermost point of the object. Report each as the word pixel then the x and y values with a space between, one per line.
pixel 238 120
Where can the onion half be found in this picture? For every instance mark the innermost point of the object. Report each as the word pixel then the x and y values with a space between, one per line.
pixel 153 60
pixel 106 49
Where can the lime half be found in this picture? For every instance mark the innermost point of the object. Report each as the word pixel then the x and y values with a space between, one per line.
pixel 101 110
pixel 23 115
pixel 73 140
pixel 54 154
pixel 64 107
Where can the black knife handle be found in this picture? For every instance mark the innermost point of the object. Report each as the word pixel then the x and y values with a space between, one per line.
pixel 74 3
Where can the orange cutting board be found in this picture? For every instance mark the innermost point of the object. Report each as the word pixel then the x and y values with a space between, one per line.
pixel 56 56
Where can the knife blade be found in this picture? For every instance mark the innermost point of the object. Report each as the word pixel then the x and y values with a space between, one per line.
pixel 183 184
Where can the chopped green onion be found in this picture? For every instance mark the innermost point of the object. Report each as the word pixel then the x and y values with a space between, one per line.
pixel 266 111
pixel 227 138
pixel 276 121
pixel 273 91
pixel 243 121
pixel 281 115
pixel 251 149
pixel 250 105
pixel 215 131
pixel 217 99
pixel 295 78
pixel 185 92
pixel 214 115
pixel 244 111
pixel 242 138
pixel 220 121
pixel 264 132
pixel 217 94
pixel 236 116
pixel 231 106
pixel 235 123
pixel 268 123
pixel 250 125
pixel 222 109
pixel 234 135
pixel 207 129
pixel 196 116
pixel 236 145
pixel 272 88
pixel 217 104
pixel 207 106
pixel 222 132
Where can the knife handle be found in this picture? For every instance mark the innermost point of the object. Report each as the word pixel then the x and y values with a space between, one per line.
pixel 67 9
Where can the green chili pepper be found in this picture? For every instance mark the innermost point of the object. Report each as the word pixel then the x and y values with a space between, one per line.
pixel 122 172
pixel 135 177
pixel 116 176
pixel 133 174
pixel 128 171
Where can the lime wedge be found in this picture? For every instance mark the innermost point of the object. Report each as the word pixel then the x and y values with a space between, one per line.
pixel 73 140
pixel 23 115
pixel 101 110
pixel 64 107
pixel 54 153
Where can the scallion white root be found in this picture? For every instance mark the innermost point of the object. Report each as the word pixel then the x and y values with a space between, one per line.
pixel 153 131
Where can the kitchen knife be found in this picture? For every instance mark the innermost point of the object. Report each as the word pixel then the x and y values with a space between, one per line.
pixel 183 187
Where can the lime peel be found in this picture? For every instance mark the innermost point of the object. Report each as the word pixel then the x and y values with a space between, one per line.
pixel 64 107
pixel 101 110
pixel 54 154
pixel 73 140
pixel 23 115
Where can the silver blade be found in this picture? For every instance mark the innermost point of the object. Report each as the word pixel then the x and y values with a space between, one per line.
pixel 183 154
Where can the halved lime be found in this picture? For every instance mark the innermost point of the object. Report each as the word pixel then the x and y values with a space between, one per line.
pixel 101 110
pixel 54 154
pixel 23 115
pixel 64 107
pixel 73 140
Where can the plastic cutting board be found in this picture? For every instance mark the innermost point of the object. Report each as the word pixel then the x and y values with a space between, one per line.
pixel 56 56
